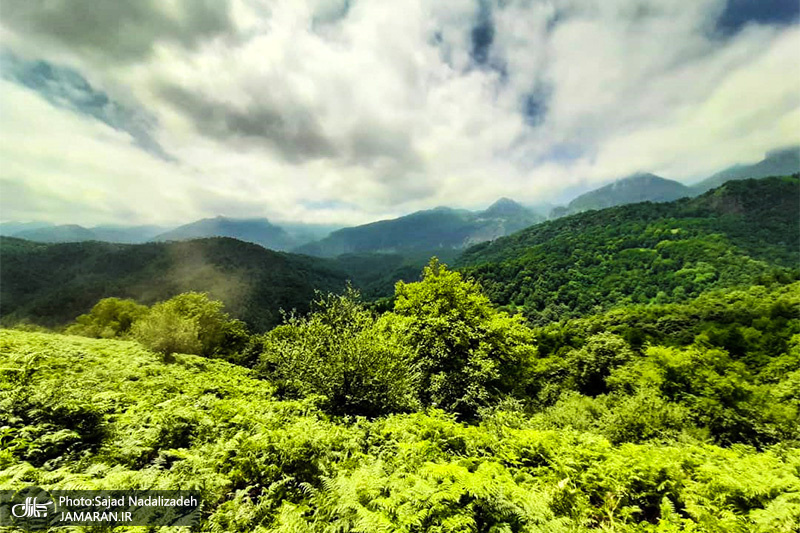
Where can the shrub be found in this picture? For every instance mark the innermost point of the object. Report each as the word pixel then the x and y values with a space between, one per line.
pixel 165 331
pixel 343 354
pixel 109 318
pixel 190 323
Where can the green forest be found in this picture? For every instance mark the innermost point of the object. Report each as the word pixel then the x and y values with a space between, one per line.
pixel 634 369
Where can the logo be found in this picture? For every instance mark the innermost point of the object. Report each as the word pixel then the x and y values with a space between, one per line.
pixel 30 508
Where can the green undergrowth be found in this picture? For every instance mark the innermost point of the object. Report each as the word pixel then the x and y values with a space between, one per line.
pixel 79 413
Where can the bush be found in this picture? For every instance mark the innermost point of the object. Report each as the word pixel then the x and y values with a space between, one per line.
pixel 191 323
pixel 165 331
pixel 343 354
pixel 110 318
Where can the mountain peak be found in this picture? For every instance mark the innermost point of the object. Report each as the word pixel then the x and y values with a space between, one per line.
pixel 789 152
pixel 639 187
pixel 641 176
pixel 504 206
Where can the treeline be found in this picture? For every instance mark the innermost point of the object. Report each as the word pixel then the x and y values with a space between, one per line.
pixel 723 368
pixel 742 233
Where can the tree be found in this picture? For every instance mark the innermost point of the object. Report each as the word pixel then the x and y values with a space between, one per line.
pixel 190 323
pixel 591 364
pixel 468 352
pixel 342 353
pixel 109 318
pixel 165 331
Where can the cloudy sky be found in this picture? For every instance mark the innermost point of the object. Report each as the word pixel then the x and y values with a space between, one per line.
pixel 346 111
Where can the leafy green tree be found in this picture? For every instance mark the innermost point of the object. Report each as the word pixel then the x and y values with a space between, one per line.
pixel 165 331
pixel 590 365
pixel 190 323
pixel 469 353
pixel 109 318
pixel 343 354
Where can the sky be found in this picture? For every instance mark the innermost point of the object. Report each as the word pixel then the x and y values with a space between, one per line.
pixel 349 111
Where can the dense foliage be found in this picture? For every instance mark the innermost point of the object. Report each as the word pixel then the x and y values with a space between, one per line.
pixel 85 413
pixel 468 353
pixel 743 232
pixel 341 353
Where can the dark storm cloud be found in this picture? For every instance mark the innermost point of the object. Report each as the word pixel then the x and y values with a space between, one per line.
pixel 120 30
pixel 66 88
pixel 294 133
pixel 739 13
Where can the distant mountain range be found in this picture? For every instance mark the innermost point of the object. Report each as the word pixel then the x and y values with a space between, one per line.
pixel 644 187
pixel 45 232
pixel 442 228
pixel 438 229
pixel 256 230
pixel 742 231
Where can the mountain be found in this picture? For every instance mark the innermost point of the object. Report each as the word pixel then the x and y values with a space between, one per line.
pixel 51 284
pixel 744 232
pixel 63 233
pixel 442 228
pixel 302 233
pixel 128 234
pixel 641 187
pixel 256 230
pixel 8 229
pixel 776 163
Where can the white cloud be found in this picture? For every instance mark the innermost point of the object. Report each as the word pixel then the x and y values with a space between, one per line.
pixel 377 109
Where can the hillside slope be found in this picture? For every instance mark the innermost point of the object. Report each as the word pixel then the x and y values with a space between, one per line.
pixel 743 231
pixel 109 415
pixel 51 284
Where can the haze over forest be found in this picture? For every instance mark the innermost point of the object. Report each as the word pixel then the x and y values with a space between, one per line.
pixel 341 113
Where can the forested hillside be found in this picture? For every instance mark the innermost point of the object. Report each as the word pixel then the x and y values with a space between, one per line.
pixel 742 232
pixel 51 284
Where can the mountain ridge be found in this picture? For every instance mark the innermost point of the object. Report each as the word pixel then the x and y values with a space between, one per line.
pixel 744 231
pixel 442 228
pixel 635 188
pixel 780 162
